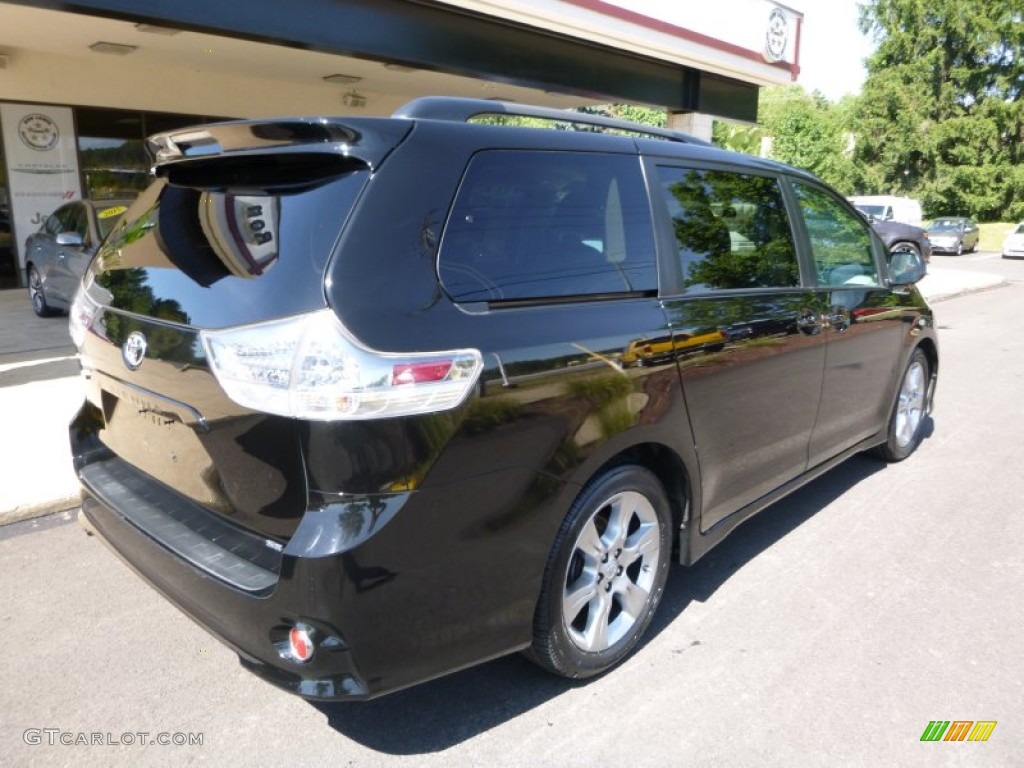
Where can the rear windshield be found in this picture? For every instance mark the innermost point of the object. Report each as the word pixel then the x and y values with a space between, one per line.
pixel 222 257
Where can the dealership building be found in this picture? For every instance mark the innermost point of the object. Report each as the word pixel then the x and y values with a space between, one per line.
pixel 82 84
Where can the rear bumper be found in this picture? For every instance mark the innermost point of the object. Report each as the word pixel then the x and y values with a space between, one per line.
pixel 247 623
pixel 398 587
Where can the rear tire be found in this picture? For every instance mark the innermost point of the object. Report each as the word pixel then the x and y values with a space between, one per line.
pixel 605 575
pixel 906 424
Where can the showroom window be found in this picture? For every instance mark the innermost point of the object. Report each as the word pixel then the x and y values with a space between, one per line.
pixel 111 148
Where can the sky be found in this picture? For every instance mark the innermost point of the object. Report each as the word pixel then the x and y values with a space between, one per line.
pixel 832 48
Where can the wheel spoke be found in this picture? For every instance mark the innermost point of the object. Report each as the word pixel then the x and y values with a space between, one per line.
pixel 632 599
pixel 576 597
pixel 589 542
pixel 595 634
pixel 643 542
pixel 622 510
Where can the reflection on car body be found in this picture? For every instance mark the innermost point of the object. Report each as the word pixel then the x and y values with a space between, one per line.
pixel 664 348
pixel 56 256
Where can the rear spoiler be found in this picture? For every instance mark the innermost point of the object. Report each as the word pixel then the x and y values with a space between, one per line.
pixel 365 140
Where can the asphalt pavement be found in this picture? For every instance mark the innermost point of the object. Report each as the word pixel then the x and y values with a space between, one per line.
pixel 40 393
pixel 830 629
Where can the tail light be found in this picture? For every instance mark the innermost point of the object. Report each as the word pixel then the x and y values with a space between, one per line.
pixel 80 317
pixel 311 367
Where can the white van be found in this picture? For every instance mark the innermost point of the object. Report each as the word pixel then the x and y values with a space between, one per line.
pixel 890 208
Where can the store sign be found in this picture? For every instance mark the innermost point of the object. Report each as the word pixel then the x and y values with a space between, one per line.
pixel 42 165
pixel 761 27
pixel 777 36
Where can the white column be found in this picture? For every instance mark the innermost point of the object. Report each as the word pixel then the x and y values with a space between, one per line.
pixel 694 123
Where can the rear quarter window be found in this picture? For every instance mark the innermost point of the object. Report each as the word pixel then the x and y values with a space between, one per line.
pixel 548 225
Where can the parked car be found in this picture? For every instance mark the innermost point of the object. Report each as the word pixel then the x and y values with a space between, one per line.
pixel 354 394
pixel 1013 245
pixel 902 237
pixel 953 234
pixel 56 256
pixel 890 208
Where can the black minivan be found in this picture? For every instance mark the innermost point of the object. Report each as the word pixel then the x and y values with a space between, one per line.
pixel 363 395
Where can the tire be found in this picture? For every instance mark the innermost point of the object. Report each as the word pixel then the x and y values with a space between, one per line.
pixel 905 246
pixel 605 575
pixel 960 248
pixel 906 424
pixel 37 295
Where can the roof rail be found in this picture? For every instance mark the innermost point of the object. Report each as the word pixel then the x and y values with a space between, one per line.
pixel 462 110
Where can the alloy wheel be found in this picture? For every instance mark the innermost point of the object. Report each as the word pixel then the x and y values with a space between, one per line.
pixel 611 572
pixel 910 408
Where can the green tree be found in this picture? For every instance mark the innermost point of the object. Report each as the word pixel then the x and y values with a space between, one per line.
pixel 940 117
pixel 810 132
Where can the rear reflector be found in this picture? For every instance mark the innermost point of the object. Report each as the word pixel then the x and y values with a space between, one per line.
pixel 300 643
pixel 419 373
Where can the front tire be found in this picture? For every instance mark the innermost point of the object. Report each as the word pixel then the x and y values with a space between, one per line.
pixel 37 295
pixel 905 247
pixel 906 425
pixel 605 575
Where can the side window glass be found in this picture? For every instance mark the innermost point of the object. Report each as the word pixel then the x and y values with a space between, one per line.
pixel 54 224
pixel 79 222
pixel 534 225
pixel 840 240
pixel 731 229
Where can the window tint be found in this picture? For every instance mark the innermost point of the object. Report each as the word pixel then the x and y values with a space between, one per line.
pixel 731 229
pixel 532 225
pixel 839 239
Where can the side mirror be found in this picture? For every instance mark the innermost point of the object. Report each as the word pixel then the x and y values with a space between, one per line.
pixel 906 266
pixel 70 239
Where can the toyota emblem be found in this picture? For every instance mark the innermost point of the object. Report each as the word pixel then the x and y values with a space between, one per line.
pixel 133 351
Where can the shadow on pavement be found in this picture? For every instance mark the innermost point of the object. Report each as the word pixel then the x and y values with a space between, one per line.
pixel 440 714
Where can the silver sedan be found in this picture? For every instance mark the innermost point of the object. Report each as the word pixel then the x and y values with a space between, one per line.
pixel 56 256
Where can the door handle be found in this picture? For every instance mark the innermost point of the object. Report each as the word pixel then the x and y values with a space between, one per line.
pixel 839 318
pixel 810 322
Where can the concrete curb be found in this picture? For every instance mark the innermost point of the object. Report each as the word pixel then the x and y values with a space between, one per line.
pixel 937 297
pixel 38 509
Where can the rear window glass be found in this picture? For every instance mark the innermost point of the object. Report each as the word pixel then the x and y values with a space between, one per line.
pixel 536 225
pixel 731 230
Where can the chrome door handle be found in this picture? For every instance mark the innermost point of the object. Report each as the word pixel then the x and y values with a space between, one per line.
pixel 839 318
pixel 810 322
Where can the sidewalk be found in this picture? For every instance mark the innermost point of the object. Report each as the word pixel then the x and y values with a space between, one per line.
pixel 37 477
pixel 941 284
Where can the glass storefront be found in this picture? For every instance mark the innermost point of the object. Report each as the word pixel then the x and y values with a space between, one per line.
pixel 112 163
pixel 8 258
